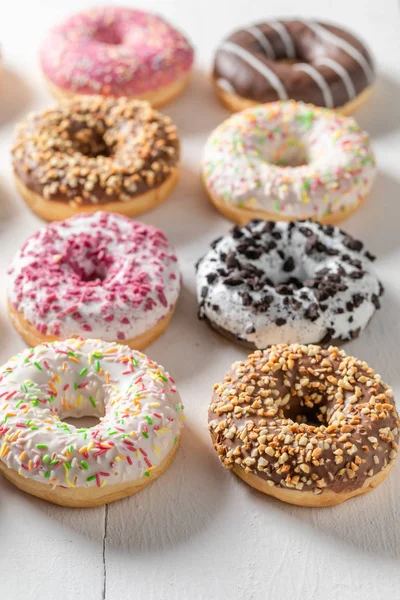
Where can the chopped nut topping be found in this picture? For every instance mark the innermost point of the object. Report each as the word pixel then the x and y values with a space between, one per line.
pixel 290 435
pixel 95 150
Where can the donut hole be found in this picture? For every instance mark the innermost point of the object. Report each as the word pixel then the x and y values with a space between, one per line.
pixel 84 422
pixel 83 411
pixel 292 153
pixel 88 268
pixel 310 409
pixel 289 61
pixel 89 141
pixel 98 274
pixel 108 35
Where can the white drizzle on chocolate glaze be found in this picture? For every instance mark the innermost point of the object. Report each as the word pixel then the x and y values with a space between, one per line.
pixel 258 66
pixel 319 80
pixel 341 71
pixel 263 41
pixel 334 39
pixel 285 37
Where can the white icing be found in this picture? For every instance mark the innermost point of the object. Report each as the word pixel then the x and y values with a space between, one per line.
pixel 139 408
pixel 233 316
pixel 257 65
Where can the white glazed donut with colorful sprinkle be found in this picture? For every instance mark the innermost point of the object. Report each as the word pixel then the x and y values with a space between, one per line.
pixel 136 400
pixel 288 161
pixel 94 275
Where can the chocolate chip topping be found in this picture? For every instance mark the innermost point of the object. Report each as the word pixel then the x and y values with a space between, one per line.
pixel 301 273
pixel 304 418
pixel 288 265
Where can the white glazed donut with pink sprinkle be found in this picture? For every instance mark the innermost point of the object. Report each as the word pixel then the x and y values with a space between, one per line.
pixel 94 275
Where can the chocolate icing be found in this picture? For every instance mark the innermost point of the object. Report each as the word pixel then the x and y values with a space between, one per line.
pixel 305 418
pixel 345 76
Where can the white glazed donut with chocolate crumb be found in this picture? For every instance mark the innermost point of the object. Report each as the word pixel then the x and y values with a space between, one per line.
pixel 269 283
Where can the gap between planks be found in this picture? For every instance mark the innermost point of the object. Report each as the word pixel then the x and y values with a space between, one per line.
pixel 104 552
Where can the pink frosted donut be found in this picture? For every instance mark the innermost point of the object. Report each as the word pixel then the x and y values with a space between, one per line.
pixel 94 275
pixel 116 52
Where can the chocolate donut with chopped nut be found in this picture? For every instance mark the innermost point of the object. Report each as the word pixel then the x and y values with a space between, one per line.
pixel 96 153
pixel 278 282
pixel 307 425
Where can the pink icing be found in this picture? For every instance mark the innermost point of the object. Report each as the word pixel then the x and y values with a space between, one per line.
pixel 115 52
pixel 95 275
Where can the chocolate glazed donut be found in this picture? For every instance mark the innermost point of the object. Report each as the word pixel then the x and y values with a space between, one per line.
pixel 304 60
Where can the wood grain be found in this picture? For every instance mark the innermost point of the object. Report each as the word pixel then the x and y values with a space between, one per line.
pixel 198 532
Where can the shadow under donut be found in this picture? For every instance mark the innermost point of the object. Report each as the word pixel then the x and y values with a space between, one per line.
pixel 376 223
pixel 357 523
pixel 380 115
pixel 181 504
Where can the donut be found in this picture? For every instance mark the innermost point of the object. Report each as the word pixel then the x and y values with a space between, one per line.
pixel 300 282
pixel 95 153
pixel 140 421
pixel 116 52
pixel 94 275
pixel 286 161
pixel 301 60
pixel 307 425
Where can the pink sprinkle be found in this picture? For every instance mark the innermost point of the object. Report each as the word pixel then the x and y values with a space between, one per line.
pixel 100 452
pixel 92 285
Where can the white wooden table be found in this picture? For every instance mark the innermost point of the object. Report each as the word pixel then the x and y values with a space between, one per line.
pixel 198 532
